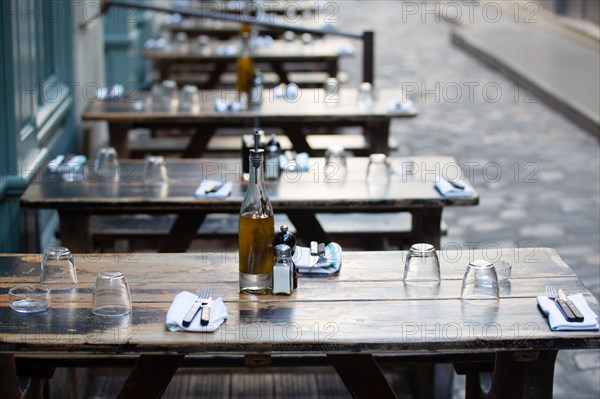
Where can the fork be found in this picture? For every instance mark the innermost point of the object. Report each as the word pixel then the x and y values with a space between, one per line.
pixel 201 300
pixel 561 304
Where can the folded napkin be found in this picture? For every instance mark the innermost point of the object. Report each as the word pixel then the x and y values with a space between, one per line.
pixel 180 306
pixel 557 320
pixel 229 49
pixel 289 91
pixel 223 105
pixel 447 189
pixel 60 164
pixel 329 263
pixel 400 106
pixel 213 189
pixel 298 164
pixel 345 49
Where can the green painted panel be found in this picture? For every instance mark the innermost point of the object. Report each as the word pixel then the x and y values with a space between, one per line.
pixel 9 225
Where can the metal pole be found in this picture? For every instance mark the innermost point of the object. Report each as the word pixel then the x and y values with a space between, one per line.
pixel 368 56
pixel 223 16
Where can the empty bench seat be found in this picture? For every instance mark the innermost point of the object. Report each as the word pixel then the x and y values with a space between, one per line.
pixel 352 231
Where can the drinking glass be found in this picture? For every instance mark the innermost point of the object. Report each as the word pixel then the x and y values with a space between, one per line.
pixel 29 298
pixel 111 294
pixel 480 283
pixel 155 170
pixel 190 98
pixel 378 170
pixel 58 269
pixel 422 267
pixel 166 94
pixel 107 165
pixel 503 269
pixel 366 98
pixel 335 162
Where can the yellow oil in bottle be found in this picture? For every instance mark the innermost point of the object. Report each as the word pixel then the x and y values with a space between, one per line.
pixel 256 253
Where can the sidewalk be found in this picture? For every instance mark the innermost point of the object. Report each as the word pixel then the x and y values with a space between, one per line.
pixel 537 173
pixel 535 49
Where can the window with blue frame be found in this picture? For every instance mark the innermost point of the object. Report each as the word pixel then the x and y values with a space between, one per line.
pixel 36 112
pixel 36 71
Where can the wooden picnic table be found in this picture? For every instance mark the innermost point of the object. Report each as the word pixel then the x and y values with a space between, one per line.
pixel 309 109
pixel 355 321
pixel 216 57
pixel 300 195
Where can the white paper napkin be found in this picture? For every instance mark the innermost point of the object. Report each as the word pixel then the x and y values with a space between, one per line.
pixel 446 189
pixel 298 164
pixel 329 263
pixel 557 320
pixel 222 192
pixel 180 306
pixel 400 106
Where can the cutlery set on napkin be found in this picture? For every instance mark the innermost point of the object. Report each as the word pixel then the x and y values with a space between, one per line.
pixel 213 189
pixel 196 313
pixel 452 187
pixel 567 313
pixel 318 259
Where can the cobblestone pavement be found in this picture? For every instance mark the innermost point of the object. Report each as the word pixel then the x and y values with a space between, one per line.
pixel 538 174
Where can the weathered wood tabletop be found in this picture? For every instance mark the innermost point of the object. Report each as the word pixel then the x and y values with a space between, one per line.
pixel 311 108
pixel 298 194
pixel 280 57
pixel 363 312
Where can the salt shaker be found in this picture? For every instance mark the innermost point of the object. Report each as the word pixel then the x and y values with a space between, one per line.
pixel 285 237
pixel 283 270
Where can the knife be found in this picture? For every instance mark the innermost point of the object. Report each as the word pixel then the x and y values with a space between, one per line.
pixel 456 184
pixel 564 309
pixel 187 320
pixel 578 317
pixel 205 315
pixel 214 188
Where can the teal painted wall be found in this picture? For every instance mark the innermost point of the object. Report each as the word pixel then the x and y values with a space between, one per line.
pixel 36 112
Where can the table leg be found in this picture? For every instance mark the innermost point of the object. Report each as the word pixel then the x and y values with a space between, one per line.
pixel 118 134
pixel 215 75
pixel 378 135
pixel 297 137
pixel 333 68
pixel 75 231
pixel 528 374
pixel 9 385
pixel 432 380
pixel 362 376
pixel 277 67
pixel 150 376
pixel 182 232
pixel 308 227
pixel 163 68
pixel 197 145
pixel 426 224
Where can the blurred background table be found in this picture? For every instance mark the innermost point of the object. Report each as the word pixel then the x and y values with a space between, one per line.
pixel 204 66
pixel 310 109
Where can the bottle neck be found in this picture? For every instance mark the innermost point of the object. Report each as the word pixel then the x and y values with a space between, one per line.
pixel 256 169
pixel 245 49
